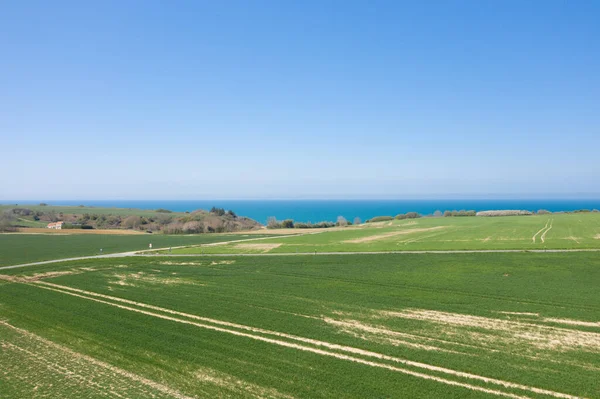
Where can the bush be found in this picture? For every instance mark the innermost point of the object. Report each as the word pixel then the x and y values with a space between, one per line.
pixel 341 221
pixel 193 227
pixel 71 226
pixel 504 213
pixel 43 204
pixel 217 211
pixel 21 211
pixel 459 213
pixel 161 210
pixel 173 228
pixel 543 212
pixel 272 223
pixel 320 225
pixel 231 213
pixel 356 221
pixel 132 222
pixel 287 224
pixel 6 222
pixel 408 215
pixel 380 219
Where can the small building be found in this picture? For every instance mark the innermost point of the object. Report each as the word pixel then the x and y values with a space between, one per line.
pixel 56 225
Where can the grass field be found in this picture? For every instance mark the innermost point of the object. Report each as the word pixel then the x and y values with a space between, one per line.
pixel 24 248
pixel 558 231
pixel 390 325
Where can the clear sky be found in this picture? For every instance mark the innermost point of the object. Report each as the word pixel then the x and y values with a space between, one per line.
pixel 299 99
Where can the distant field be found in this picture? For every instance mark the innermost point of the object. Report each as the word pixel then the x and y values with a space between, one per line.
pixel 87 209
pixel 24 248
pixel 559 231
pixel 518 325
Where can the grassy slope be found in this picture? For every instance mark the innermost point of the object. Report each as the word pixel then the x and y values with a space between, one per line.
pixel 568 231
pixel 293 294
pixel 24 248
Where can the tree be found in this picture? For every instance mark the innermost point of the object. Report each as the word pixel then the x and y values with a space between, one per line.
pixel 231 213
pixel 6 219
pixel 217 211
pixel 437 214
pixel 272 223
pixel 357 221
pixel 132 222
pixel 287 224
pixel 193 227
pixel 341 221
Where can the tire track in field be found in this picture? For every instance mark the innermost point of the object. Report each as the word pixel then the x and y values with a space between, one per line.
pixel 251 332
pixel 98 367
pixel 543 237
pixel 540 230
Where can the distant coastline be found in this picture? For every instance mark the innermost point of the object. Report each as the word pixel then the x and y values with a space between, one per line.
pixel 329 210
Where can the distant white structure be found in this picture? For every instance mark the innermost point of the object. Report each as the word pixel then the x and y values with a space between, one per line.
pixel 56 225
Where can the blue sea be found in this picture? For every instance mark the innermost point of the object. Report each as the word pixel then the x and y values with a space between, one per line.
pixel 329 210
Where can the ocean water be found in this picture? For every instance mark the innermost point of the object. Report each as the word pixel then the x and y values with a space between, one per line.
pixel 329 210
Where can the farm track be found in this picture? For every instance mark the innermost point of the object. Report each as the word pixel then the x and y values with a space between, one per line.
pixel 341 352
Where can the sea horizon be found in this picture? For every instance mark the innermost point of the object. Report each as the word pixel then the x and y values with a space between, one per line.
pixel 316 210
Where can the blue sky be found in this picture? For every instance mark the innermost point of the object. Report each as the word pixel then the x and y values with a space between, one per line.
pixel 305 99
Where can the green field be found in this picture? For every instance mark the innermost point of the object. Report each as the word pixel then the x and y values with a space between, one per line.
pixel 557 231
pixel 24 248
pixel 387 325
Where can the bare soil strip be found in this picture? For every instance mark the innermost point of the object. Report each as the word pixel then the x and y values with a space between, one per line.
pixel 220 326
pixel 392 234
pixel 536 335
pixel 543 237
pixel 236 386
pixel 258 247
pixel 572 322
pixel 540 230
pixel 520 313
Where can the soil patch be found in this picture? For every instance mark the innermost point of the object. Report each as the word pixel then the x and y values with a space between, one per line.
pixel 392 234
pixel 258 247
